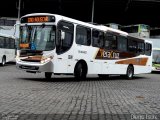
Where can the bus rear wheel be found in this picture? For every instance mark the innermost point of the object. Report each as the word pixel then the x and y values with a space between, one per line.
pixel 130 72
pixel 3 61
pixel 80 71
pixel 48 75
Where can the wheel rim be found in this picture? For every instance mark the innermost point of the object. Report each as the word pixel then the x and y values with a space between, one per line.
pixel 80 70
pixel 130 73
pixel 3 61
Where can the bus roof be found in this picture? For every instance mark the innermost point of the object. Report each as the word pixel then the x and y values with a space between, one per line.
pixel 102 27
pixel 113 30
pixel 60 17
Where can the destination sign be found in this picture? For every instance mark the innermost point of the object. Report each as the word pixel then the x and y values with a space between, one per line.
pixel 38 19
pixel 24 45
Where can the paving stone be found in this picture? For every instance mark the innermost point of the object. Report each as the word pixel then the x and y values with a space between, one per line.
pixel 33 97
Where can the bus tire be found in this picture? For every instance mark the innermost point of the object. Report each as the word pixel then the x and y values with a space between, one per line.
pixel 80 71
pixel 3 61
pixel 130 72
pixel 48 75
pixel 103 76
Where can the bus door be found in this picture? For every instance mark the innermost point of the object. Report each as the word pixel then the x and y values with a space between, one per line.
pixel 63 47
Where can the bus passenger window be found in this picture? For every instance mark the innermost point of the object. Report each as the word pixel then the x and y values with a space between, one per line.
pixel 97 38
pixel 140 49
pixel 2 42
pixel 122 43
pixel 132 46
pixel 110 41
pixel 83 35
pixel 7 41
pixel 12 43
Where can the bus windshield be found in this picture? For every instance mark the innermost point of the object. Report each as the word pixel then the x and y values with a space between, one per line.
pixel 156 56
pixel 37 37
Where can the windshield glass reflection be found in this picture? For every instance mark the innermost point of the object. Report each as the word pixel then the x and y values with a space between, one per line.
pixel 156 56
pixel 37 37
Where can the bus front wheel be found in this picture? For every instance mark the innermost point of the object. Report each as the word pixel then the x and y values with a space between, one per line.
pixel 80 71
pixel 48 75
pixel 130 72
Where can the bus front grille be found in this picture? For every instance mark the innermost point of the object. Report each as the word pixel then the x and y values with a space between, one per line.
pixel 28 67
pixel 31 60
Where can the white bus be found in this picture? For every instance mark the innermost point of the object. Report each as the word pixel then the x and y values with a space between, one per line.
pixel 56 44
pixel 7 48
pixel 155 38
pixel 138 30
pixel 155 53
pixel 156 59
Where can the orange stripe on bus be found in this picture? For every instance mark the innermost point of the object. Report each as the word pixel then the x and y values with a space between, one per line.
pixel 134 61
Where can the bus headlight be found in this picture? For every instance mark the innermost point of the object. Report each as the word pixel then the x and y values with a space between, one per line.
pixel 17 58
pixel 46 59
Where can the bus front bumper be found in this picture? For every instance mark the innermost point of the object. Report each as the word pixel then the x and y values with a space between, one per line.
pixel 35 67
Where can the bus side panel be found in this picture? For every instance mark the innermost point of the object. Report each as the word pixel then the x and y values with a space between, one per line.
pixel 144 69
pixel 111 68
pixel 141 69
pixel 95 67
pixel 1 54
pixel 10 55
pixel 65 62
pixel 88 53
pixel 60 65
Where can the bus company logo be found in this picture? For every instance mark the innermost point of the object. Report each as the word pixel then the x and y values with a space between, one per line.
pixel 107 54
pixel 110 54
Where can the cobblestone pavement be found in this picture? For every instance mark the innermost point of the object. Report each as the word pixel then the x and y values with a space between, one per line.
pixel 26 96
